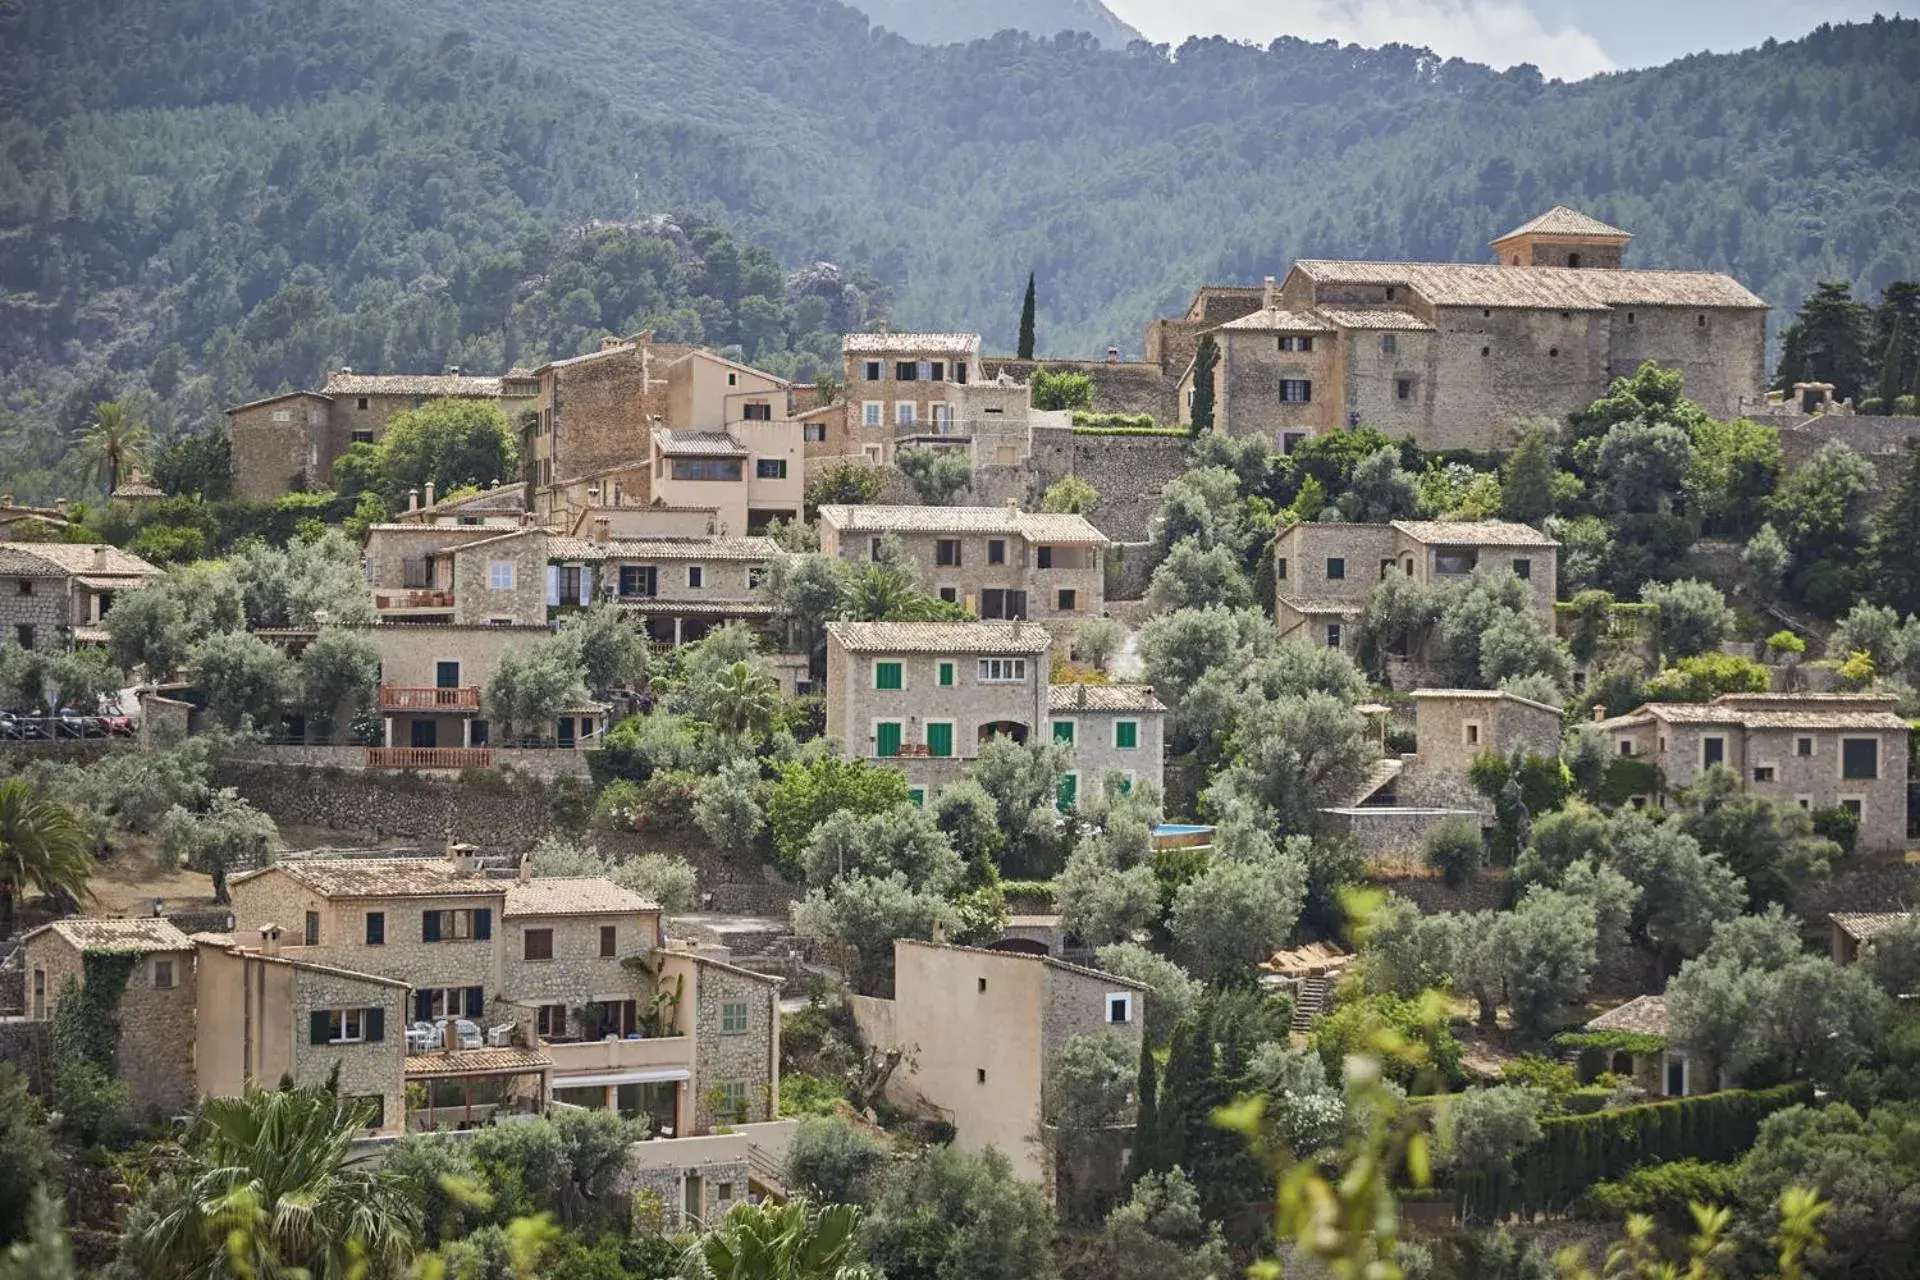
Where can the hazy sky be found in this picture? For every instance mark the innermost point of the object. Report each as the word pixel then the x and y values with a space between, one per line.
pixel 1565 38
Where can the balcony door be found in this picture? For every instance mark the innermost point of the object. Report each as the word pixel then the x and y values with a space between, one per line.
pixel 426 733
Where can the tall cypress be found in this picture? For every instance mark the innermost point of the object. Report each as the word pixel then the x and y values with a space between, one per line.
pixel 1893 370
pixel 1182 1102
pixel 1026 321
pixel 1146 1126
pixel 1205 358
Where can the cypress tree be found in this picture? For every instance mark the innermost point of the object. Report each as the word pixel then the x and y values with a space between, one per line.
pixel 1146 1129
pixel 1893 372
pixel 1026 321
pixel 1181 1101
pixel 1205 358
pixel 1896 541
pixel 1526 490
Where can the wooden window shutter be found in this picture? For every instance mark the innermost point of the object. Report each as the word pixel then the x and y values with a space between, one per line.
pixel 374 1025
pixel 430 926
pixel 482 924
pixel 320 1027
pixel 476 1001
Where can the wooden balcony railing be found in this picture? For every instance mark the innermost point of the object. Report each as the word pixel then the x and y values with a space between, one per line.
pixel 413 600
pixel 429 758
pixel 395 697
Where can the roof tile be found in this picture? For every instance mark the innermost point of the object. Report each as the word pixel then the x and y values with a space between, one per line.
pixel 880 344
pixel 1562 221
pixel 144 934
pixel 1033 526
pixel 573 896
pixel 1480 533
pixel 1063 698
pixel 941 637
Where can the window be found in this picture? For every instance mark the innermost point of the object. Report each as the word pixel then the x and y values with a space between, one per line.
pixel 937 371
pixel 1333 635
pixel 946 553
pixel 1523 568
pixel 1336 569
pixel 1291 440
pixel 906 371
pixel 23 632
pixel 1390 293
pixel 363 436
pixel 696 577
pixel 1066 791
pixel 983 984
pixel 313 929
pixel 537 944
pixel 1043 557
pixel 500 575
pixel 1854 805
pixel 905 412
pixel 24 587
pixel 1713 751
pixel 996 550
pixel 1389 344
pixel 376 928
pixel 814 433
pixel 733 379
pixel 1859 758
pixel 950 594
pixel 733 1099
pixel 1296 344
pixel 1120 1007
pixel 873 413
pixel 1296 391
pixel 997 605
pixel 1676 1075
pixel 1403 388
pixel 874 371
pixel 1573 260
pixel 283 415
pixel 770 469
pixel 639 580
pixel 1063 731
pixel 1069 600
pixel 1280 569
pixel 1002 670
pixel 940 739
pixel 550 1020
pixel 360 403
pixel 756 577
pixel 1126 735
pixel 886 675
pixel 461 925
pixel 946 675
pixel 1626 747
pixel 163 975
pixel 1803 747
pixel 704 469
pixel 886 739
pixel 733 1018
pixel 1763 773
pixel 1470 733
pixel 348 1026
pixel 980 1075
pixel 1455 563
pixel 1486 351
pixel 917 797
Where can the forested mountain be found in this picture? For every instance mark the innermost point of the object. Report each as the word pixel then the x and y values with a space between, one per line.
pixel 955 21
pixel 213 198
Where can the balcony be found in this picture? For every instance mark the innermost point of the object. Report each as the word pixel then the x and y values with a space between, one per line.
pixel 399 601
pixel 395 697
pixel 429 758
pixel 607 1057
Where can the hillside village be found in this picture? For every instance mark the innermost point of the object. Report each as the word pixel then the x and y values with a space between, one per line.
pixel 950 781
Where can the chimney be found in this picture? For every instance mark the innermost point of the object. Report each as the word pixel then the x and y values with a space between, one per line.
pixel 413 499
pixel 100 557
pixel 603 530
pixel 939 934
pixel 60 505
pixel 464 863
pixel 429 500
pixel 1270 295
pixel 270 940
pixel 526 869
pixel 453 370
pixel 1113 355
pixel 1599 713
pixel 609 342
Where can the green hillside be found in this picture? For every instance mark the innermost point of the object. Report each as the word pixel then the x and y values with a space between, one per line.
pixel 957 21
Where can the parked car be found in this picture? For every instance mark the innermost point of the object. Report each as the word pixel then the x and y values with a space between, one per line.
pixel 22 727
pixel 72 724
pixel 117 726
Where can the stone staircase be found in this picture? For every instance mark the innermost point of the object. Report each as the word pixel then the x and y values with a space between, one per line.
pixel 1310 1000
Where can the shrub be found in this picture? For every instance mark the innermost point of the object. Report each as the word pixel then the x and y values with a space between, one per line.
pixel 1842 826
pixel 1666 1191
pixel 1430 1047
pixel 1454 848
pixel 806 1095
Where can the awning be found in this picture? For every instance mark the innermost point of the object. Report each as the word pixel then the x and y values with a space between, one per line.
pixel 658 1075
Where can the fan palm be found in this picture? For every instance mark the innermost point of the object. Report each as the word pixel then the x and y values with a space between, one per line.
pixel 743 698
pixel 42 846
pixel 783 1242
pixel 115 442
pixel 261 1187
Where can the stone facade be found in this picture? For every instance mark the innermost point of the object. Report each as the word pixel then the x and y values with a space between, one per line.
pixel 597 411
pixel 368 1069
pixel 1172 343
pixel 53 594
pixel 1455 727
pixel 1130 387
pixel 1112 729
pixel 902 380
pixel 277 444
pixel 729 1058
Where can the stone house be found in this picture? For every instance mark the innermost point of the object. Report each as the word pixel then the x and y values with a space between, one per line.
pixel 1664 1072
pixel 289 443
pixel 54 595
pixel 1323 573
pixel 1814 750
pixel 1849 931
pixel 679 588
pixel 155 1053
pixel 1001 563
pixel 926 696
pixel 579 970
pixel 1172 343
pixel 982 1029
pixel 1458 355
pixel 1115 729
pixel 897 381
pixel 432 694
pixel 501 506
pixel 749 475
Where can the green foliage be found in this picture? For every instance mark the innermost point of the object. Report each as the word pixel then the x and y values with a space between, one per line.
pixel 1575 1152
pixel 1690 617
pixel 244 679
pixel 1666 1191
pixel 1024 348
pixel 795 1241
pixel 1161 1234
pixel 845 483
pixel 23 1156
pixel 1840 825
pixel 42 846
pixel 946 1215
pixel 1430 1057
pixel 532 684
pixel 1455 849
pixel 1070 495
pixel 1706 677
pixel 1482 1130
pixel 1611 1041
pixel 1055 391
pixel 833 1161
pixel 806 793
pixel 938 476
pixel 227 833
pixel 1206 360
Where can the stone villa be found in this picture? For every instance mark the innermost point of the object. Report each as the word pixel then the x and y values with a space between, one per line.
pixel 54 594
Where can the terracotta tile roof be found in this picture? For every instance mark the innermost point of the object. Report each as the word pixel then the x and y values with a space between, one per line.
pixel 1079 970
pixel 1034 527
pixel 1476 533
pixel 1562 221
pixel 1368 318
pixel 1642 1015
pixel 1464 284
pixel 136 489
pixel 410 384
pixel 751 550
pixel 1326 606
pixel 699 608
pixel 382 878
pixel 476 1062
pixel 506 497
pixel 698 444
pixel 572 896
pixel 285 395
pixel 1280 320
pixel 1102 697
pixel 1483 695
pixel 1861 925
pixel 908 344
pixel 941 637
pixel 1816 716
pixel 145 934
pixel 66 559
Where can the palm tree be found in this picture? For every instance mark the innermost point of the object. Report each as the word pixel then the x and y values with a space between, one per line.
pixel 783 1242
pixel 743 698
pixel 261 1187
pixel 42 846
pixel 115 443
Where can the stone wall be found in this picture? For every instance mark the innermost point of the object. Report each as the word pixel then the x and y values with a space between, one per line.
pixel 1487 891
pixel 748 1057
pixel 1394 834
pixel 45 611
pixel 157 1035
pixel 27 1047
pixel 367 1070
pixel 1882 441
pixel 1118 386
pixel 1130 569
pixel 1128 472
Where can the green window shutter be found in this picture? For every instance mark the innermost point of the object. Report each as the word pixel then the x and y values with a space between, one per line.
pixel 1067 792
pixel 1063 731
pixel 886 739
pixel 940 740
pixel 946 675
pixel 886 675
pixel 320 1027
pixel 374 1021
pixel 917 797
pixel 483 924
pixel 1126 735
